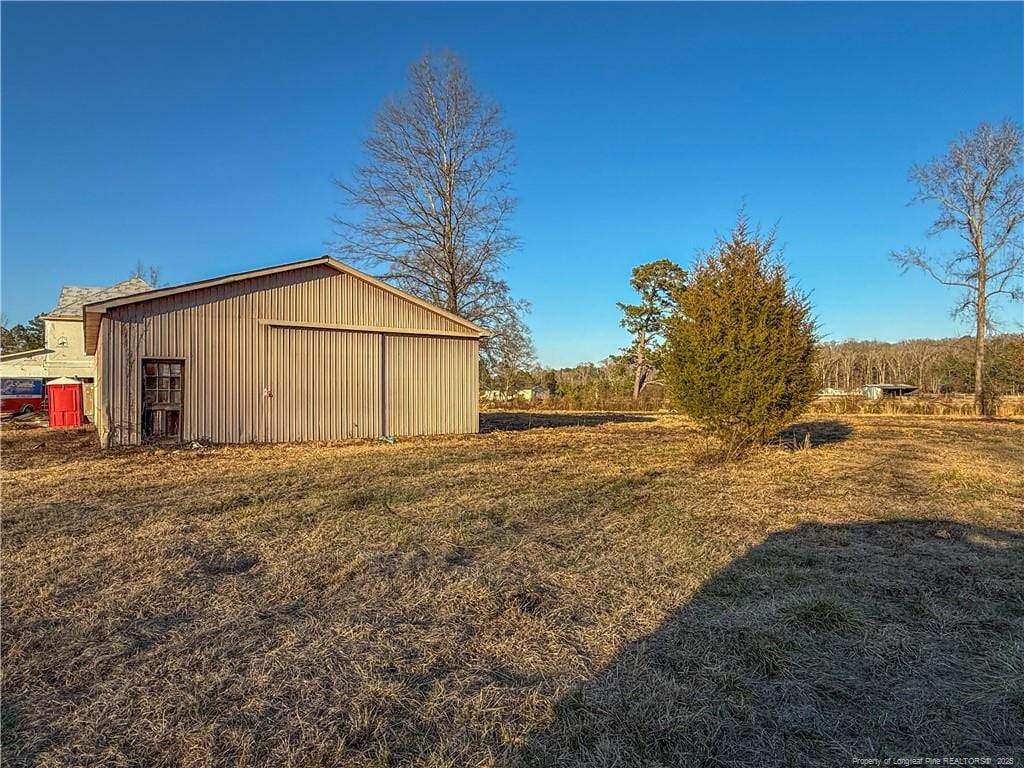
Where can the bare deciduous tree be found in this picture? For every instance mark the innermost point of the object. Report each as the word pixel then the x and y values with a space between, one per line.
pixel 150 273
pixel 981 199
pixel 429 208
pixel 510 356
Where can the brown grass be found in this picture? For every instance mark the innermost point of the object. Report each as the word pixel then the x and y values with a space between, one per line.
pixel 560 595
pixel 1006 406
pixel 918 404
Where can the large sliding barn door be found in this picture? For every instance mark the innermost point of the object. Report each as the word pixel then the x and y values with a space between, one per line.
pixel 321 384
pixel 431 386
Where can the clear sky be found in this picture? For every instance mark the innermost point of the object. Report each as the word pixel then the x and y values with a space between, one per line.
pixel 203 138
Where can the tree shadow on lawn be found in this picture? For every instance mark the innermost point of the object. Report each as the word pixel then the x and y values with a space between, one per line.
pixel 814 433
pixel 515 421
pixel 822 644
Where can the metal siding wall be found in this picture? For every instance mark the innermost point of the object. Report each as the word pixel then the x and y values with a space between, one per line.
pixel 432 385
pixel 325 384
pixel 230 359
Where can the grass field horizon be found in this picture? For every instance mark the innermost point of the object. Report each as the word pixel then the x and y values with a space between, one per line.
pixel 562 589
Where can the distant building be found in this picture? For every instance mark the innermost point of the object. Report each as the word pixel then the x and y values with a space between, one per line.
pixel 530 394
pixel 831 392
pixel 878 391
pixel 533 393
pixel 30 364
pixel 63 353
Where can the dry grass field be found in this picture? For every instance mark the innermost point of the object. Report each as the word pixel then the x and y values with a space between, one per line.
pixel 562 590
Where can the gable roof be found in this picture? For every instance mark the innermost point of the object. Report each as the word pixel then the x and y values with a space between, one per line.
pixel 93 311
pixel 74 297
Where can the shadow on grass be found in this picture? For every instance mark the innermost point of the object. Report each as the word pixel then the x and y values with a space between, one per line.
pixel 822 644
pixel 34 447
pixel 514 421
pixel 815 433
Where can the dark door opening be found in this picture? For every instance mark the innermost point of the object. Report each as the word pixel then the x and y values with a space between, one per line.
pixel 162 387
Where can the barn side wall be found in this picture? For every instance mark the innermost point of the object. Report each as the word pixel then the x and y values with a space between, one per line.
pixel 248 380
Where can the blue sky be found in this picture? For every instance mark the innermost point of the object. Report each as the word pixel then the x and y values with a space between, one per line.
pixel 203 138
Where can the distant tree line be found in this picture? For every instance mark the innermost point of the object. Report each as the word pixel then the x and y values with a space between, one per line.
pixel 23 336
pixel 596 386
pixel 717 347
pixel 938 366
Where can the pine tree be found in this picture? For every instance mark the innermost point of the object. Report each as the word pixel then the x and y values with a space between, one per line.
pixel 659 285
pixel 23 337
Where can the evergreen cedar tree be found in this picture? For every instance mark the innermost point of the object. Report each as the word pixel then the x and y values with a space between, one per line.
pixel 740 351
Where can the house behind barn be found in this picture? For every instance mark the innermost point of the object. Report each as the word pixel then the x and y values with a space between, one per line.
pixel 63 353
pixel 313 350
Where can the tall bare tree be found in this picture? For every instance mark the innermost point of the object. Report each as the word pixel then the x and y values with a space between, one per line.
pixel 510 357
pixel 981 198
pixel 429 208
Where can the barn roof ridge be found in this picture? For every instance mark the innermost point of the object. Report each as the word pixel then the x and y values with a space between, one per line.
pixel 99 307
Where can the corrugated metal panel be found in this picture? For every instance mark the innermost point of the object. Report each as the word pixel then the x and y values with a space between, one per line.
pixel 231 357
pixel 323 385
pixel 431 386
pixel 94 311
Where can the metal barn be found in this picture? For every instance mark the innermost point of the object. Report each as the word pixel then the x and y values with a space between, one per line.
pixel 313 350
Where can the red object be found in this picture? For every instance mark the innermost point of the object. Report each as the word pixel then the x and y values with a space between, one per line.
pixel 21 395
pixel 22 404
pixel 65 403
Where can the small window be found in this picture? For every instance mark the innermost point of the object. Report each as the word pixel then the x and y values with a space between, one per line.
pixel 162 384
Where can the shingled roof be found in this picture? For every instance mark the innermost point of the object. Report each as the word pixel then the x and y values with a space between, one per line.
pixel 73 297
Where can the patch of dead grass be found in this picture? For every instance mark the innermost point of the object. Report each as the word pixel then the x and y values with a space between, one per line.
pixel 578 594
